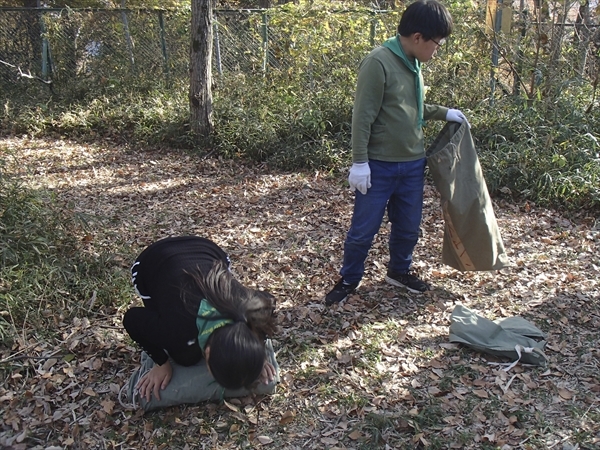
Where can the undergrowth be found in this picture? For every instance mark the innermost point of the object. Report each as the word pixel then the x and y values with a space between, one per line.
pixel 46 274
pixel 545 154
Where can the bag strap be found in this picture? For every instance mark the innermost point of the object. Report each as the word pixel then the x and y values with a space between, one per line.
pixel 520 349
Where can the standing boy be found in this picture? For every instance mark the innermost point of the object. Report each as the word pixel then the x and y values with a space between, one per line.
pixel 388 150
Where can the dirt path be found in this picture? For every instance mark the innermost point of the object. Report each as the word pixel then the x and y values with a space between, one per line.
pixel 375 372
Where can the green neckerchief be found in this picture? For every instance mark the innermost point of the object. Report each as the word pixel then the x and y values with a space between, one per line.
pixel 207 321
pixel 415 67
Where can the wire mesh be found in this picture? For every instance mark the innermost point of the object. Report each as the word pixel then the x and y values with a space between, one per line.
pixel 79 49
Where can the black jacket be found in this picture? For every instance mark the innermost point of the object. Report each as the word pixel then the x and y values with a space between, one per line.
pixel 167 322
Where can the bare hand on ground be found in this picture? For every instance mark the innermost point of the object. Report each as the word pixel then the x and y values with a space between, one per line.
pixel 267 375
pixel 155 380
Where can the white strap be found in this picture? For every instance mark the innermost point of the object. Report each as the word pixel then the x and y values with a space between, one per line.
pixel 519 349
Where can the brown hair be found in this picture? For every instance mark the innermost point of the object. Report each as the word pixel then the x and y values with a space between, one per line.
pixel 237 351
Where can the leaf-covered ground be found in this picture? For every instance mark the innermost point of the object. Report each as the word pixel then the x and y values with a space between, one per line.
pixel 375 372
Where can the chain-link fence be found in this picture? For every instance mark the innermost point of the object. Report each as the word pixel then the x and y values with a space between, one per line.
pixel 69 46
pixel 73 50
pixel 99 46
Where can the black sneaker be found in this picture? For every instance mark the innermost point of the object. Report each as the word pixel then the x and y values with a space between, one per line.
pixel 340 292
pixel 407 280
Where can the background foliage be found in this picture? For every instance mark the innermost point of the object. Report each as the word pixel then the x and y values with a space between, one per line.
pixel 284 81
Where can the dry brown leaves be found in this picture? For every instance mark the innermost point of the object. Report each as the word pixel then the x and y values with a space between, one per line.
pixel 374 372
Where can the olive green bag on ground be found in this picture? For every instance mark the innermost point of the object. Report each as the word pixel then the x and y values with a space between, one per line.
pixel 190 385
pixel 513 337
pixel 472 238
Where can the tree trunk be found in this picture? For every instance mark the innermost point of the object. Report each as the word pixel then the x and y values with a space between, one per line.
pixel 201 120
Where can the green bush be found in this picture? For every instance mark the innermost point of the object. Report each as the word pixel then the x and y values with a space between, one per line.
pixel 546 154
pixel 146 116
pixel 286 127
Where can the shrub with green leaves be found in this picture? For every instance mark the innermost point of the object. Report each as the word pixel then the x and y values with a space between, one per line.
pixel 546 154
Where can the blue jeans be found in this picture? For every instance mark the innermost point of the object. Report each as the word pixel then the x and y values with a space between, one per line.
pixel 399 187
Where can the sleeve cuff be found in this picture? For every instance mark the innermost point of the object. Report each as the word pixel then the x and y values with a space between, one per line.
pixel 159 358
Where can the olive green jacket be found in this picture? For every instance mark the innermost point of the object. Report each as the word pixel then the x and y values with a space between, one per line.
pixel 386 120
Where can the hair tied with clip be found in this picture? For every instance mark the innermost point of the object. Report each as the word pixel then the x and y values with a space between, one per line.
pixel 242 319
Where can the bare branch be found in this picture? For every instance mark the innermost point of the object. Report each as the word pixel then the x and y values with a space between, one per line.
pixel 26 75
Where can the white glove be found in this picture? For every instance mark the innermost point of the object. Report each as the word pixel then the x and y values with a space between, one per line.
pixel 456 115
pixel 360 177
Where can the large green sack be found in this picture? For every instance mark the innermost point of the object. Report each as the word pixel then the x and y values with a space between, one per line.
pixel 472 238
pixel 514 337
pixel 190 385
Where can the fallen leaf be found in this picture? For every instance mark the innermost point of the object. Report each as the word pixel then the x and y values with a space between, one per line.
pixel 565 393
pixel 49 363
pixel 264 440
pixel 355 435
pixel 89 391
pixel 287 417
pixel 230 406
pixel 480 393
pixel 108 406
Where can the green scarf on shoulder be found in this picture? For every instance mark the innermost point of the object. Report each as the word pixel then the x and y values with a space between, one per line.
pixel 207 321
pixel 415 67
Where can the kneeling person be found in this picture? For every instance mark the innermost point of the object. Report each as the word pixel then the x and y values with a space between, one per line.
pixel 194 308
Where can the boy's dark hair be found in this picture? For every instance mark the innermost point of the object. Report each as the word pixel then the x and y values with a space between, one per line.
pixel 428 17
pixel 237 351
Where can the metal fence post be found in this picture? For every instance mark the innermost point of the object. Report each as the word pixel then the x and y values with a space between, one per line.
pixel 519 65
pixel 128 39
pixel 163 44
pixel 265 37
pixel 45 49
pixel 372 29
pixel 217 46
pixel 495 50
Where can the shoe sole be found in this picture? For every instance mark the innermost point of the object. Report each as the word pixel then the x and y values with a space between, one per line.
pixel 338 302
pixel 398 284
pixel 328 303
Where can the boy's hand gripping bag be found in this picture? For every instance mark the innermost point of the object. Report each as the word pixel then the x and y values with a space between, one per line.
pixel 472 238
pixel 514 337
pixel 190 385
